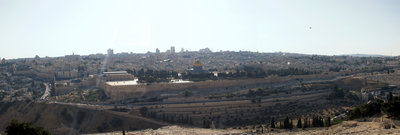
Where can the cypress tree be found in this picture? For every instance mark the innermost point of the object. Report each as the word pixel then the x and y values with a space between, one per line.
pixel 190 121
pixel 286 123
pixel 291 124
pixel 328 122
pixel 299 123
pixel 313 122
pixel 305 123
pixel 272 123
pixel 390 97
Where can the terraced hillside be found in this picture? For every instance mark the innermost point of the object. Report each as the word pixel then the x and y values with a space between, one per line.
pixel 66 119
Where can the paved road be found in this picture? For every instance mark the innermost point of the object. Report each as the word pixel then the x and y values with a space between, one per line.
pixel 46 92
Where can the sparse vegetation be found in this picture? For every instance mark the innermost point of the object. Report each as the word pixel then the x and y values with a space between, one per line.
pixel 16 128
pixel 143 111
pixel 377 107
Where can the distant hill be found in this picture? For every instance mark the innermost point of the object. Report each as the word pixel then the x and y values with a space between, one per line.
pixel 365 55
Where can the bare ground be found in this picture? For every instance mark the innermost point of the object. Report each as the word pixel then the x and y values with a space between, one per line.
pixel 374 127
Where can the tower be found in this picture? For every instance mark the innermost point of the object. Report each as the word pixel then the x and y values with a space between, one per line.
pixel 172 49
pixel 3 61
pixel 110 52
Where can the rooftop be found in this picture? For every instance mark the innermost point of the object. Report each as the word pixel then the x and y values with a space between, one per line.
pixel 116 72
pixel 197 64
pixel 180 81
pixel 123 83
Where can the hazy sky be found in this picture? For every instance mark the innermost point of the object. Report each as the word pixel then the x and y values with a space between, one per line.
pixel 60 27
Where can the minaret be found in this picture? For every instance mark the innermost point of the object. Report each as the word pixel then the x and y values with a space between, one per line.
pixel 157 50
pixel 172 49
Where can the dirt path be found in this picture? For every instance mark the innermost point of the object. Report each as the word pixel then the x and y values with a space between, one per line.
pixel 46 92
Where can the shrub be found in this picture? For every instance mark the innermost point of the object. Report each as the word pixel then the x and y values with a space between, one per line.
pixel 16 128
pixel 392 108
pixel 366 110
pixel 143 110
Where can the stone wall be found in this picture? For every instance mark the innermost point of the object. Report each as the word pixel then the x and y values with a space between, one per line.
pixel 136 91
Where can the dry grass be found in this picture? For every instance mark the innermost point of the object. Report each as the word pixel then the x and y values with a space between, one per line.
pixel 346 127
pixel 66 119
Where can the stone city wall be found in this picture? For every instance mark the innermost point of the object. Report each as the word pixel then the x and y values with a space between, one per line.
pixel 136 91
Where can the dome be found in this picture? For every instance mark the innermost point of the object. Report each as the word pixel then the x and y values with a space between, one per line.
pixel 197 64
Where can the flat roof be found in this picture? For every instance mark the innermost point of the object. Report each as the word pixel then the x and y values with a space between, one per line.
pixel 116 72
pixel 123 83
pixel 180 81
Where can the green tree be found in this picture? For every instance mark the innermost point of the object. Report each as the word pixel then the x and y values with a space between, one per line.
pixel 305 123
pixel 390 97
pixel 392 108
pixel 187 93
pixel 299 123
pixel 272 123
pixel 328 122
pixel 25 128
pixel 286 123
pixel 291 124
pixel 337 93
pixel 143 110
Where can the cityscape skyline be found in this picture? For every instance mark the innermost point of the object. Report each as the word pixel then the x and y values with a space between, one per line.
pixel 58 28
pixel 168 51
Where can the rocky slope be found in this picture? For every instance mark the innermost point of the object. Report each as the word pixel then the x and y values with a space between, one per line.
pixel 376 126
pixel 67 119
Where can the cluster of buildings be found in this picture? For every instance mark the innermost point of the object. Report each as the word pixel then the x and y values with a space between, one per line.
pixel 170 51
pixel 76 71
pixel 3 61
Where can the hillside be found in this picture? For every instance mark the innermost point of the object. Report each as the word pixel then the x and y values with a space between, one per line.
pixel 373 126
pixel 65 119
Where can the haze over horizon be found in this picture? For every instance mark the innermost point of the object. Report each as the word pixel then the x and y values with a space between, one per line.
pixel 178 51
pixel 58 28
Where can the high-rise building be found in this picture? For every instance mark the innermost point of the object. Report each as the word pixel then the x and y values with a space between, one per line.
pixel 3 61
pixel 205 50
pixel 157 50
pixel 110 52
pixel 172 49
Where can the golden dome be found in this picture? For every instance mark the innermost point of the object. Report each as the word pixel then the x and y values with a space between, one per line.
pixel 197 64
